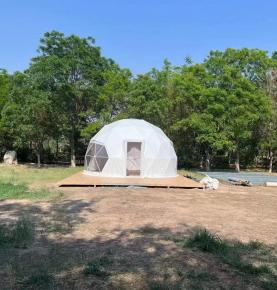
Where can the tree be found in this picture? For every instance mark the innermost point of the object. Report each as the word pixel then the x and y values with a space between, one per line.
pixel 241 73
pixel 269 141
pixel 71 70
pixel 28 114
pixel 149 96
pixel 5 138
pixel 199 113
pixel 111 103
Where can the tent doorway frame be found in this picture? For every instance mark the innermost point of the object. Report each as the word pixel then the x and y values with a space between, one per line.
pixel 127 174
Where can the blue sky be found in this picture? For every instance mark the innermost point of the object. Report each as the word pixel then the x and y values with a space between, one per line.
pixel 138 34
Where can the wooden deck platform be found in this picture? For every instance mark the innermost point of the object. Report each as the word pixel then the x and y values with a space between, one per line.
pixel 80 179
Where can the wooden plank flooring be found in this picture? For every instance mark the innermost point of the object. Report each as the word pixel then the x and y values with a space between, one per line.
pixel 80 179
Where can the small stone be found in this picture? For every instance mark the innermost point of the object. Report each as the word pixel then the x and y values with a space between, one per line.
pixel 10 158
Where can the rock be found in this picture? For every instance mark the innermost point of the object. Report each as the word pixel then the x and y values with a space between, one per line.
pixel 10 158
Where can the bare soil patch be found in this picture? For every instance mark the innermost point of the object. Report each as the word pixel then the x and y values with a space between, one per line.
pixel 123 237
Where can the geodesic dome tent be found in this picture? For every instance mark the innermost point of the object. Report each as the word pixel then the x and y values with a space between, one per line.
pixel 131 147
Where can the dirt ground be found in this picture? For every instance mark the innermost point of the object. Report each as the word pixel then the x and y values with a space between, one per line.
pixel 232 212
pixel 245 213
pixel 135 225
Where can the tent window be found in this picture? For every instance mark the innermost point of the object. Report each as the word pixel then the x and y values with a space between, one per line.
pixel 96 157
pixel 91 150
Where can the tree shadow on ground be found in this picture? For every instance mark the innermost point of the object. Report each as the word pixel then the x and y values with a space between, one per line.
pixel 140 258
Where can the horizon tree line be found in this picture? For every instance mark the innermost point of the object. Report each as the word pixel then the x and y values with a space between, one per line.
pixel 218 112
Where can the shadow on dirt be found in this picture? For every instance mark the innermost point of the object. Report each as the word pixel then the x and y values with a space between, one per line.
pixel 141 258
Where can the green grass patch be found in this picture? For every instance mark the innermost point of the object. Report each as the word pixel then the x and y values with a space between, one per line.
pixel 243 257
pixel 30 175
pixel 21 191
pixel 191 173
pixel 19 235
pixel 15 181
pixel 206 242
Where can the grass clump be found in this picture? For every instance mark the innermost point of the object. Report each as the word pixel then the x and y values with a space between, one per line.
pixel 20 235
pixel 97 267
pixel 206 242
pixel 229 253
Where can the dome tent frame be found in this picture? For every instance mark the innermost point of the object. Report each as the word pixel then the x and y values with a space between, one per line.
pixel 134 148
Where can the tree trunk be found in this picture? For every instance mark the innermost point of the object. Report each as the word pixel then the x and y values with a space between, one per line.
pixel 38 160
pixel 270 160
pixel 237 165
pixel 72 147
pixel 201 163
pixel 208 162
pixel 57 148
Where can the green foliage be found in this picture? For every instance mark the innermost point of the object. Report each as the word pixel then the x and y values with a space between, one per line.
pixel 73 69
pixel 217 106
pixel 5 80
pixel 225 106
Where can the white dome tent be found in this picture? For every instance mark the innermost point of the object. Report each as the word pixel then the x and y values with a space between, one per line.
pixel 131 147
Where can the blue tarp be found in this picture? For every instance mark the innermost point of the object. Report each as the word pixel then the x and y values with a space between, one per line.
pixel 256 178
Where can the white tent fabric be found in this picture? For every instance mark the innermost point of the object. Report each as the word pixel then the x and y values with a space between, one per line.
pixel 131 147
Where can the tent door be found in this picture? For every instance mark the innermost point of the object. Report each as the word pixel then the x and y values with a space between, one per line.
pixel 133 159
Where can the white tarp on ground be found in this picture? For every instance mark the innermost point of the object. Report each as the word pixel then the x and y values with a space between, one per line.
pixel 151 153
pixel 209 183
